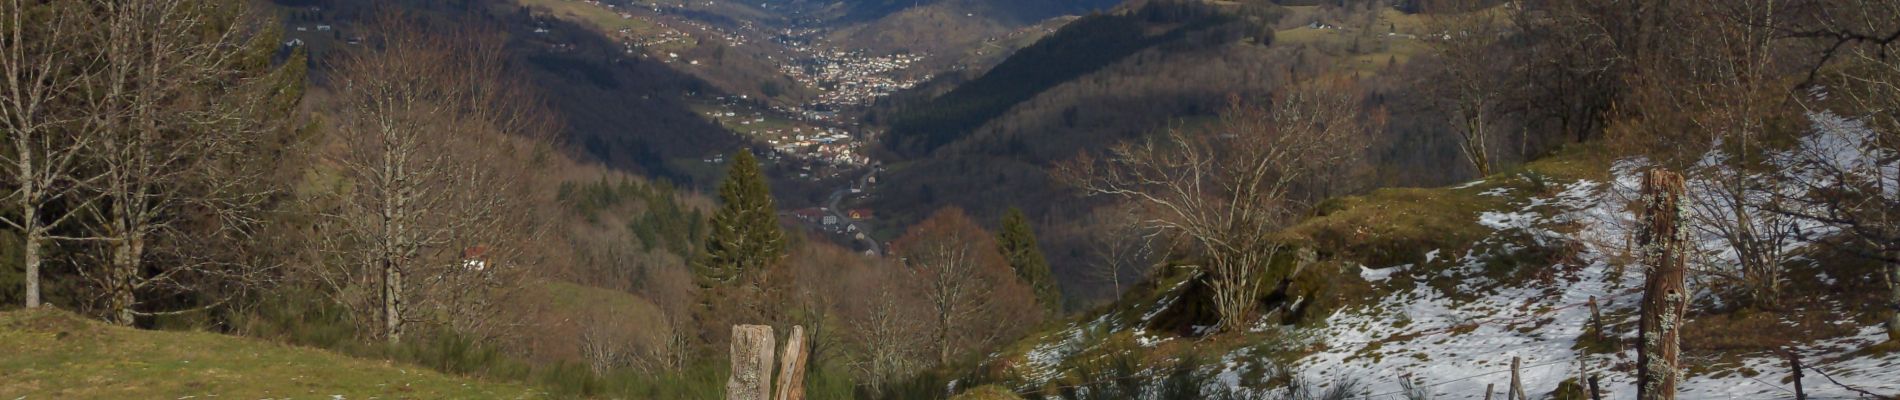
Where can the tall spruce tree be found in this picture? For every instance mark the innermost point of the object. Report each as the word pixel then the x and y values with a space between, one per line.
pixel 745 236
pixel 1018 244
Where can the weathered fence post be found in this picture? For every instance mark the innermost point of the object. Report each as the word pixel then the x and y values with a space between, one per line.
pixel 751 363
pixel 1596 393
pixel 1596 319
pixel 1488 389
pixel 1794 363
pixel 1516 391
pixel 791 370
pixel 1664 300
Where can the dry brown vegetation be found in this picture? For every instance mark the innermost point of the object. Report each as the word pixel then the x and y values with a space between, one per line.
pixel 1225 191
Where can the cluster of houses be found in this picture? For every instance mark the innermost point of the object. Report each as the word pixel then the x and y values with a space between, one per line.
pixel 851 78
pixel 796 139
pixel 848 79
pixel 293 39
pixel 668 37
pixel 633 42
pixel 831 221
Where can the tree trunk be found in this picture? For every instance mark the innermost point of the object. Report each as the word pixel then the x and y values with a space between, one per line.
pixel 392 301
pixel 32 249
pixel 791 370
pixel 1893 300
pixel 943 343
pixel 395 244
pixel 751 363
pixel 120 280
pixel 1664 299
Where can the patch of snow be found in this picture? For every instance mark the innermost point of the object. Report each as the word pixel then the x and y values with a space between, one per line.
pixel 1458 345
pixel 1445 342
pixel 1380 274
pixel 1457 342
pixel 1506 220
pixel 1039 364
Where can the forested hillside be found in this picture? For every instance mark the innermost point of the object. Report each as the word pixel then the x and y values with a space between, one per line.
pixel 1164 199
pixel 1079 48
pixel 989 143
pixel 256 200
pixel 1689 217
pixel 625 112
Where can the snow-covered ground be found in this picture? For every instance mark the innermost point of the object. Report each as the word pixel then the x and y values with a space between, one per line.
pixel 1454 344
pixel 1455 348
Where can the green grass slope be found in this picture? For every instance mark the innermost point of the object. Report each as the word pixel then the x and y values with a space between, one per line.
pixel 51 354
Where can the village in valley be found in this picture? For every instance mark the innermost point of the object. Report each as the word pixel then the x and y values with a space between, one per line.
pixel 819 128
pixel 809 126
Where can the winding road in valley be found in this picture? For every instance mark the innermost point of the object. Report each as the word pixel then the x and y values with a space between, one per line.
pixel 837 198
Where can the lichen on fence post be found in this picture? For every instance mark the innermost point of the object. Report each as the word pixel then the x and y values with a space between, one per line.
pixel 751 363
pixel 1664 299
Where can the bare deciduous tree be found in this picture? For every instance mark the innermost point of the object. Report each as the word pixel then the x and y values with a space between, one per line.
pixel 41 157
pixel 1121 246
pixel 181 97
pixel 1854 185
pixel 433 220
pixel 605 341
pixel 1469 79
pixel 671 288
pixel 889 345
pixel 1709 105
pixel 975 299
pixel 1227 191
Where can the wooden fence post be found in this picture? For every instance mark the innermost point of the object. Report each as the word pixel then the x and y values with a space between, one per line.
pixel 1664 300
pixel 1794 363
pixel 1596 319
pixel 791 370
pixel 1596 393
pixel 751 363
pixel 1516 391
pixel 1488 389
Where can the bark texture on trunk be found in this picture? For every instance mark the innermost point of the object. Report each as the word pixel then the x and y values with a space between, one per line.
pixel 122 279
pixel 392 302
pixel 32 261
pixel 1664 299
pixel 751 363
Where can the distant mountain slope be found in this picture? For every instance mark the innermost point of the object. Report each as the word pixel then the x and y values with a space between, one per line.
pixel 1081 47
pixel 947 27
pixel 624 111
pixel 1072 52
pixel 1008 12
pixel 988 143
pixel 54 354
